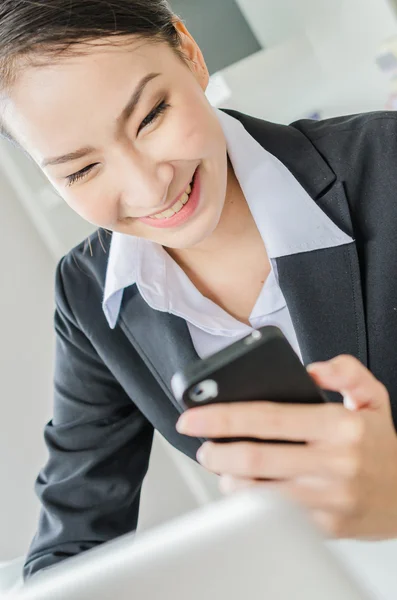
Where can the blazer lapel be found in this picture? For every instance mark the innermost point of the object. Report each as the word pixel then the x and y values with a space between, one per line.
pixel 322 288
pixel 324 296
pixel 163 340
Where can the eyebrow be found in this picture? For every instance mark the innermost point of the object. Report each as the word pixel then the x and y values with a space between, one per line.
pixel 126 113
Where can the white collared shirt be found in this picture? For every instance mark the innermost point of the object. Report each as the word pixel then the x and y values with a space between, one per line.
pixel 288 220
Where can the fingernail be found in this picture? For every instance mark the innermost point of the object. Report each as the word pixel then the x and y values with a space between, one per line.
pixel 190 422
pixel 181 424
pixel 348 402
pixel 201 454
pixel 313 366
pixel 323 365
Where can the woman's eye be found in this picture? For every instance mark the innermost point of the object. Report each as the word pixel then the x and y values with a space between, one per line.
pixel 71 179
pixel 154 114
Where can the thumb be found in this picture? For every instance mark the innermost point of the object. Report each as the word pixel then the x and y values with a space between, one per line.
pixel 346 375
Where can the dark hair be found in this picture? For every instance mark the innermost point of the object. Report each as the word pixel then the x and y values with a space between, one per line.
pixel 47 29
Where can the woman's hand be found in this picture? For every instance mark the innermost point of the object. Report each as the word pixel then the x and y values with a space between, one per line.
pixel 346 473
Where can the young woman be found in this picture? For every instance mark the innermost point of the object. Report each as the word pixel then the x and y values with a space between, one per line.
pixel 221 223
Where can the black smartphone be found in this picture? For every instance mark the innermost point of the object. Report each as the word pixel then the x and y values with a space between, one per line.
pixel 261 366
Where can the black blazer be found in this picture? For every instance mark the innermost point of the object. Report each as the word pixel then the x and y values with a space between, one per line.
pixel 112 387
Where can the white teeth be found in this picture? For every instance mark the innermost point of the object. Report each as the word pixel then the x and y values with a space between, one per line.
pixel 167 213
pixel 185 198
pixel 170 212
pixel 177 206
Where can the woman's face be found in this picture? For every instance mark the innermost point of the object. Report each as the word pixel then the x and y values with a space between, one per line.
pixel 118 168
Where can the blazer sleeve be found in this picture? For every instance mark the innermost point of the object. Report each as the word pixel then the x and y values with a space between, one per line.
pixel 99 445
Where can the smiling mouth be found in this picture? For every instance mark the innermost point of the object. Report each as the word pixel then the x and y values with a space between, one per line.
pixel 177 206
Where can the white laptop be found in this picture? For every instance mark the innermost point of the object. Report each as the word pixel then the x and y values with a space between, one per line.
pixel 254 545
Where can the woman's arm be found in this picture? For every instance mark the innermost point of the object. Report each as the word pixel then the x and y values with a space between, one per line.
pixel 99 446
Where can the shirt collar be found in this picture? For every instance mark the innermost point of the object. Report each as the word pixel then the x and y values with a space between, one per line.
pixel 280 200
pixel 289 221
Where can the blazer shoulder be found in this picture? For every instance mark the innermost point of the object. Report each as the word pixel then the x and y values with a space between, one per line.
pixel 362 145
pixel 383 123
pixel 80 275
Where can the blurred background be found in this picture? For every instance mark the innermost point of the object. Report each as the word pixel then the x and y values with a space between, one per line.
pixel 280 60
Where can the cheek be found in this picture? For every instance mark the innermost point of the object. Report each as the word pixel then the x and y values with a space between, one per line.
pixel 96 208
pixel 187 141
pixel 192 132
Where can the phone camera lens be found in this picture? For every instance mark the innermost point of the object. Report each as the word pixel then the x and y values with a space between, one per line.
pixel 205 390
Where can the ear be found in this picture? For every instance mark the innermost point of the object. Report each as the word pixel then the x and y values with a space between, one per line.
pixel 191 50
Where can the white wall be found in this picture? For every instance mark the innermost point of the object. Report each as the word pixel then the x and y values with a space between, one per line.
pixel 319 55
pixel 272 21
pixel 26 307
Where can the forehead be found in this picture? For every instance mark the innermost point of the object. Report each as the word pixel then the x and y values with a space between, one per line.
pixel 53 106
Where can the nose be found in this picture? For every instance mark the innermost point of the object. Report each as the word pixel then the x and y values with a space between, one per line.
pixel 143 186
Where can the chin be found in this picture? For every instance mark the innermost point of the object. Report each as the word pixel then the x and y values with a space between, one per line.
pixel 195 237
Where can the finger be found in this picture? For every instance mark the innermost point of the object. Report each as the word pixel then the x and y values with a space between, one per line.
pixel 317 493
pixel 228 484
pixel 314 493
pixel 262 461
pixel 262 420
pixel 345 374
pixel 316 498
